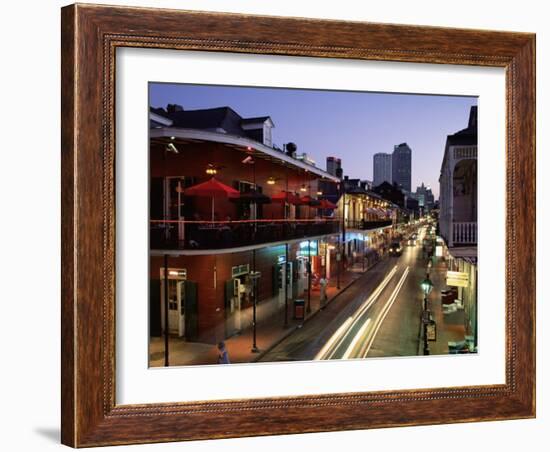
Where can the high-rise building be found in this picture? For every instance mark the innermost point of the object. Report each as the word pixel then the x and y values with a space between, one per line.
pixel 425 197
pixel 401 166
pixel 334 166
pixel 382 168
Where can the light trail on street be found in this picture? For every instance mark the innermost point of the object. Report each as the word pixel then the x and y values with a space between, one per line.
pixel 356 335
pixel 378 316
pixel 337 338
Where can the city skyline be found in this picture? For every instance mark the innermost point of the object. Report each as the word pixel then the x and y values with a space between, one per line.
pixel 352 126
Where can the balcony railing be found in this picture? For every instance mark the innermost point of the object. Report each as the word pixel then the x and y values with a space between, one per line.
pixel 367 225
pixel 469 152
pixel 211 235
pixel 465 233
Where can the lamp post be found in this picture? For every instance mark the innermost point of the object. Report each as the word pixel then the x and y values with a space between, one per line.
pixel 254 276
pixel 427 287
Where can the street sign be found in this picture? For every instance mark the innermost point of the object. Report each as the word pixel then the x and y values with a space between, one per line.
pixel 457 279
pixel 431 331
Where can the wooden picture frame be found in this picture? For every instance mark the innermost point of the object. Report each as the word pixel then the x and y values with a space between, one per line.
pixel 90 36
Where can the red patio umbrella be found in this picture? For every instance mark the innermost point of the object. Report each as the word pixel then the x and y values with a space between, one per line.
pixel 212 188
pixel 286 196
pixel 326 204
pixel 309 201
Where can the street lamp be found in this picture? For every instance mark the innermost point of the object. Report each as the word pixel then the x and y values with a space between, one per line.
pixel 427 287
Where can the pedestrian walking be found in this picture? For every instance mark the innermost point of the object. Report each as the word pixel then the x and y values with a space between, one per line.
pixel 323 286
pixel 223 356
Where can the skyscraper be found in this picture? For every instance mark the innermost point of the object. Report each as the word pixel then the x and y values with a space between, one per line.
pixel 382 168
pixel 401 166
pixel 334 166
pixel 425 197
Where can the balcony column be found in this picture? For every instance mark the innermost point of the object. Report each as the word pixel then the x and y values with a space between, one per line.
pixel 166 329
pixel 308 276
pixel 255 348
pixel 451 201
pixel 288 275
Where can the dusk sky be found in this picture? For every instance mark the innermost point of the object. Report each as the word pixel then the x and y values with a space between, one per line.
pixel 350 125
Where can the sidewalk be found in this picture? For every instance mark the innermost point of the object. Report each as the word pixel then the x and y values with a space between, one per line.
pixel 270 329
pixel 450 327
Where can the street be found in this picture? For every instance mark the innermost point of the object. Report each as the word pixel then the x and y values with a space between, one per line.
pixel 379 315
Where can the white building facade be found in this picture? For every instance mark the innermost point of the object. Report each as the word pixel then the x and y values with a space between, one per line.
pixel 458 205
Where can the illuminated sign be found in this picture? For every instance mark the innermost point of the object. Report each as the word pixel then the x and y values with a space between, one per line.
pixel 308 251
pixel 457 279
pixel 240 270
pixel 174 273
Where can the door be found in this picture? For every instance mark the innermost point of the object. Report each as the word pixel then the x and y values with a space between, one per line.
pixel 302 274
pixel 191 310
pixel 234 292
pixel 176 311
pixel 289 279
pixel 176 301
pixel 281 281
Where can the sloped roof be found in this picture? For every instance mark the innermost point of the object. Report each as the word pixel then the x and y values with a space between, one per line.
pixel 254 120
pixel 210 119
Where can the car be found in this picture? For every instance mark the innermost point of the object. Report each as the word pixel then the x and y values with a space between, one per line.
pixel 412 240
pixel 396 249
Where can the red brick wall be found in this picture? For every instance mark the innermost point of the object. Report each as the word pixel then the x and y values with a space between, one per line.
pixel 194 158
pixel 200 269
pixel 211 300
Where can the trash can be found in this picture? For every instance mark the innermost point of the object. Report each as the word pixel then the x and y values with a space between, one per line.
pixel 299 309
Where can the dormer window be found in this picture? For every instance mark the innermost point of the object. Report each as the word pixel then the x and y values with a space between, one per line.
pixel 268 125
pixel 259 129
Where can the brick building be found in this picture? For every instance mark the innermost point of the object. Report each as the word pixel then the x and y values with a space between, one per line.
pixel 228 208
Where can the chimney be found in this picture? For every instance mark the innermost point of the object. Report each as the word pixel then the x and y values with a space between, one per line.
pixel 173 108
pixel 472 120
pixel 291 149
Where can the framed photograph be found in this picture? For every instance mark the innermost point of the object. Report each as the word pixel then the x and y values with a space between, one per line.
pixel 282 225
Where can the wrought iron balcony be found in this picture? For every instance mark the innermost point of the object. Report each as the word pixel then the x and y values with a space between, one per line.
pixel 366 225
pixel 212 235
pixel 464 233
